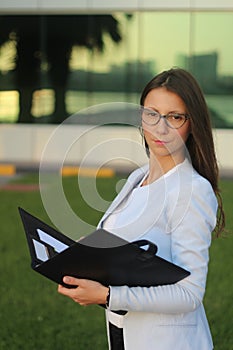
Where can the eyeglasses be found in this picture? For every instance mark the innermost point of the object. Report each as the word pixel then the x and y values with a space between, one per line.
pixel 172 120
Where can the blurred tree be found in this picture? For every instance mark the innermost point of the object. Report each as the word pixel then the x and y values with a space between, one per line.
pixel 48 40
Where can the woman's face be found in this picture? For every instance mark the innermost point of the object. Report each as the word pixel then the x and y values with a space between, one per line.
pixel 162 140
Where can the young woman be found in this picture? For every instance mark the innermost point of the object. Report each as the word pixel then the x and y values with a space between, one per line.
pixel 173 202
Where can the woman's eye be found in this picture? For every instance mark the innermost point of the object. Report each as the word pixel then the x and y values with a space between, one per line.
pixel 151 113
pixel 176 116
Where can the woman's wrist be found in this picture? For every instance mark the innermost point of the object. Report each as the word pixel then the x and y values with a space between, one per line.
pixel 107 298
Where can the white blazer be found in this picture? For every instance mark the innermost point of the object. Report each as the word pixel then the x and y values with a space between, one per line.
pixel 178 214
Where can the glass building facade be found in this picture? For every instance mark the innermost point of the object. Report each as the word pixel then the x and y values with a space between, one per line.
pixel 52 66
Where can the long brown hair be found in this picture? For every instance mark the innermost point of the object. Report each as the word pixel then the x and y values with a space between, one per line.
pixel 200 144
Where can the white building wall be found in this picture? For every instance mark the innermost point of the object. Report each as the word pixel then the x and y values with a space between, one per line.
pixel 25 143
pixel 89 146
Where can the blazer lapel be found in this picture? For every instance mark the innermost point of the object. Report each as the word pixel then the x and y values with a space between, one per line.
pixel 132 181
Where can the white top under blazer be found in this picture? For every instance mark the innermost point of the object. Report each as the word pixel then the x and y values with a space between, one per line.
pixel 177 212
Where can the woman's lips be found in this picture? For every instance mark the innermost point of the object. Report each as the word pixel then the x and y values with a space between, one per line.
pixel 160 142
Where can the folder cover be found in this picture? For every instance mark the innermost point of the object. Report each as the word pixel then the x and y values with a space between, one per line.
pixel 100 256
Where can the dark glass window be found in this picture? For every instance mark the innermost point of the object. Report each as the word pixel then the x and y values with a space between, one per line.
pixel 53 66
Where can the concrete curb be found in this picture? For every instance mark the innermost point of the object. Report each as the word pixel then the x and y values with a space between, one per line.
pixel 10 170
pixel 7 169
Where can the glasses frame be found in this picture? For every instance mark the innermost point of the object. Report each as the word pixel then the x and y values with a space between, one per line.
pixel 164 117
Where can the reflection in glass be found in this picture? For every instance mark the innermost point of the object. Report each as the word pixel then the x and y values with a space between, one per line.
pixel 58 75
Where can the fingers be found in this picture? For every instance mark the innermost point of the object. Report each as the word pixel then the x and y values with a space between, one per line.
pixel 65 291
pixel 86 292
pixel 78 282
pixel 71 280
pixel 70 292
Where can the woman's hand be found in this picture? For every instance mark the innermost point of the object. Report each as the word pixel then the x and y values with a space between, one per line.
pixel 87 292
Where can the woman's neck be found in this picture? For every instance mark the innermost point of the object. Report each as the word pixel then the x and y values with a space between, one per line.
pixel 159 167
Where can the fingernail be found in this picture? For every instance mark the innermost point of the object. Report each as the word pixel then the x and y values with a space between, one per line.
pixel 66 279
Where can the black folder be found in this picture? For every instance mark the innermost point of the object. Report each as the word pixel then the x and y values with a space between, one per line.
pixel 101 256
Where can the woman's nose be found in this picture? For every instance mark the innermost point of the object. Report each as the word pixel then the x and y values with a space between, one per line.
pixel 162 127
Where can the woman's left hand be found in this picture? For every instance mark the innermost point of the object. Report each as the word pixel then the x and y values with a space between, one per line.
pixel 87 292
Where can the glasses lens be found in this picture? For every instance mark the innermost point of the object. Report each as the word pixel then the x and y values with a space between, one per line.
pixel 176 120
pixel 150 117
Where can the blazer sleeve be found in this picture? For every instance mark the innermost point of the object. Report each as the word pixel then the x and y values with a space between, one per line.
pixel 190 241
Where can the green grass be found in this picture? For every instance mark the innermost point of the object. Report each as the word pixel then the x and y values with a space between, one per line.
pixel 34 316
pixel 219 294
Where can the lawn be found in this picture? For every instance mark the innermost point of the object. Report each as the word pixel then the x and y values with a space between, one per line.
pixel 34 316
